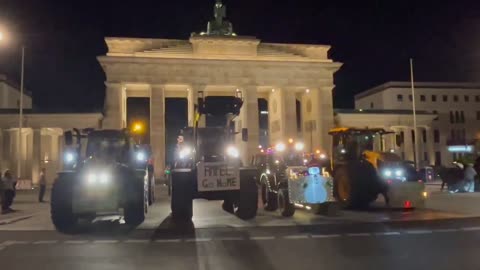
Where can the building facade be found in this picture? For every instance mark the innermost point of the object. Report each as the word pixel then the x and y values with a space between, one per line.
pixel 455 128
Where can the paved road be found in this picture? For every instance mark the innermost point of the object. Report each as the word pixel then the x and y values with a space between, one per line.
pixel 430 239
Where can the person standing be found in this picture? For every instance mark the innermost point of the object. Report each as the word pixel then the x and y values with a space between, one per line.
pixel 9 192
pixel 43 184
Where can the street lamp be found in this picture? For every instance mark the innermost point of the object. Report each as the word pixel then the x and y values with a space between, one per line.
pixel 137 129
pixel 20 115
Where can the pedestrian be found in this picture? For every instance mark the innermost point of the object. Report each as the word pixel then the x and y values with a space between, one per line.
pixel 9 192
pixel 470 175
pixel 43 184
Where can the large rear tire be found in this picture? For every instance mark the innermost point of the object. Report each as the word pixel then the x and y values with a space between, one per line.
pixel 269 198
pixel 356 184
pixel 61 208
pixel 182 196
pixel 247 204
pixel 285 207
pixel 137 203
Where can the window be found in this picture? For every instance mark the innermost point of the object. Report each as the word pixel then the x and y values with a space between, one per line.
pixel 436 136
pixel 410 97
pixel 445 98
pixel 399 98
pixel 477 98
pixel 436 118
pixel 434 98
pixel 462 117
pixel 438 158
pixel 457 117
pixel 452 119
pixel 467 98
pixel 455 98
pixel 371 105
pixel 424 136
pixel 422 98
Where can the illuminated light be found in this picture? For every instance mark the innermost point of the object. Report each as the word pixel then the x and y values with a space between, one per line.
pixel 1 36
pixel 185 152
pixel 392 150
pixel 299 146
pixel 308 207
pixel 141 156
pixel 273 90
pixel 323 156
pixel 361 110
pixel 425 194
pixel 277 161
pixel 407 204
pixel 267 171
pixel 69 157
pixel 233 152
pixel 104 178
pixel 264 112
pixel 366 137
pixel 387 173
pixel 460 148
pixel 91 178
pixel 307 91
pixel 318 151
pixel 260 147
pixel 305 161
pixel 313 170
pixel 299 205
pixel 343 151
pixel 137 127
pixel 280 147
pixel 290 140
pixel 398 172
pixel 238 90
pixel 262 151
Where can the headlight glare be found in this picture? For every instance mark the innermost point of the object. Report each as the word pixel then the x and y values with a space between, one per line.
pixel 299 146
pixel 233 152
pixel 280 147
pixel 399 173
pixel 387 173
pixel 69 157
pixel 185 152
pixel 141 156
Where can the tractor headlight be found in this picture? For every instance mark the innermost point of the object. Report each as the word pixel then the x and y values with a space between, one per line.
pixel 104 178
pixel 185 152
pixel 398 173
pixel 91 178
pixel 280 147
pixel 299 146
pixel 140 156
pixel 69 157
pixel 232 151
pixel 387 173
pixel 98 178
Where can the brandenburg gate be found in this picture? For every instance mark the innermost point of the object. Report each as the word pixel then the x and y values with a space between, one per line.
pixel 220 63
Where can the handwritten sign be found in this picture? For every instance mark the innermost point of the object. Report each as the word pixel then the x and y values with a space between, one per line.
pixel 217 176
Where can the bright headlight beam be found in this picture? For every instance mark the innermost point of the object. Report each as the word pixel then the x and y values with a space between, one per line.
pixel 387 173
pixel 141 156
pixel 233 152
pixel 104 178
pixel 91 178
pixel 280 147
pixel 69 157
pixel 299 146
pixel 185 152
pixel 398 172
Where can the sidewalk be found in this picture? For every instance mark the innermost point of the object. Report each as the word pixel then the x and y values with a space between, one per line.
pixel 26 205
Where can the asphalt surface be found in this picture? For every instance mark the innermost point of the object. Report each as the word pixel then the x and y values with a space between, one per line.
pixel 374 239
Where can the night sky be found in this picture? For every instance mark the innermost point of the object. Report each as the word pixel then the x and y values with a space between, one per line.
pixel 374 39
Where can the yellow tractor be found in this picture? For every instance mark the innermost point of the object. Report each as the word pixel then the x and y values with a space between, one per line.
pixel 362 170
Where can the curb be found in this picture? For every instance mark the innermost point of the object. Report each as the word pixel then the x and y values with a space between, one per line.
pixel 13 220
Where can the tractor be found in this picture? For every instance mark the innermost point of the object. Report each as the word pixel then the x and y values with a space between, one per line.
pixel 208 165
pixel 103 174
pixel 290 179
pixel 362 170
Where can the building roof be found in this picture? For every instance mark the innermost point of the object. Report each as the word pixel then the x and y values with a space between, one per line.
pixel 418 85
pixel 47 111
pixel 389 112
pixel 14 85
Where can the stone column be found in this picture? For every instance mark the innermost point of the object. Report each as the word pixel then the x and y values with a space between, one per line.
pixel 115 110
pixel 249 120
pixel 36 154
pixel 282 115
pixel 408 146
pixel 289 113
pixel 322 118
pixel 430 146
pixel 157 127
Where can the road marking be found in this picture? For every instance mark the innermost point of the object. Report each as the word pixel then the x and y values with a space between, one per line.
pixel 358 234
pixel 418 232
pixel 470 229
pixel 105 241
pixel 262 238
pixel 294 237
pixel 45 242
pixel 136 241
pixel 445 230
pixel 198 240
pixel 75 242
pixel 388 233
pixel 9 243
pixel 229 239
pixel 325 235
pixel 168 241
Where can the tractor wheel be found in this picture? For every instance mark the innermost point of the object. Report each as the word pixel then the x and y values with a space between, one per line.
pixel 137 203
pixel 356 184
pixel 61 204
pixel 182 196
pixel 269 198
pixel 286 208
pixel 247 203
